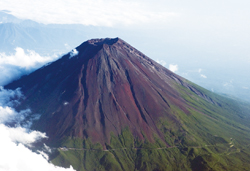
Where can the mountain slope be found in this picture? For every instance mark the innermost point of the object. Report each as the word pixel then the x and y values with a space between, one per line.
pixel 44 39
pixel 41 38
pixel 113 95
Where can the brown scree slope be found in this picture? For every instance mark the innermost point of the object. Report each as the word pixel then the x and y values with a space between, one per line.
pixel 108 86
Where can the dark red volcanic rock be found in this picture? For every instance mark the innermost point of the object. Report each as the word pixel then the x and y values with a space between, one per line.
pixel 108 86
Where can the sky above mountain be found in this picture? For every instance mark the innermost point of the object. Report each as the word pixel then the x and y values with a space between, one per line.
pixel 164 13
pixel 97 13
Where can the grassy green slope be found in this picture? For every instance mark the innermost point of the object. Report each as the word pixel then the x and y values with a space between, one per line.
pixel 210 137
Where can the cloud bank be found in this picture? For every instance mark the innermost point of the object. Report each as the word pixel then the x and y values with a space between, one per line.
pixel 16 157
pixel 28 60
pixel 96 13
pixel 14 140
pixel 14 65
pixel 14 152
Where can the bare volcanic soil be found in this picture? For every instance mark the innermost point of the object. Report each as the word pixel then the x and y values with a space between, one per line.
pixel 107 86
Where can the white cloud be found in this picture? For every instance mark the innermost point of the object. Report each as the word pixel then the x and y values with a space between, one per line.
pixel 245 88
pixel 73 53
pixel 67 46
pixel 14 154
pixel 173 67
pixel 203 76
pixel 6 113
pixel 23 136
pixel 17 157
pixel 97 13
pixel 162 62
pixel 27 60
pixel 9 97
pixel 14 65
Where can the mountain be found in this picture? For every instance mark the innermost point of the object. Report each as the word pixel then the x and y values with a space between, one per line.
pixel 44 39
pixel 107 106
pixel 5 17
pixel 41 38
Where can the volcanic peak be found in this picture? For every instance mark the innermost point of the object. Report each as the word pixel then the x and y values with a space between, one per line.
pixel 108 41
pixel 109 86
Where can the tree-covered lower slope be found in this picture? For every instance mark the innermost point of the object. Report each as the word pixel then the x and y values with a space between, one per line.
pixel 208 137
